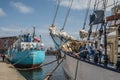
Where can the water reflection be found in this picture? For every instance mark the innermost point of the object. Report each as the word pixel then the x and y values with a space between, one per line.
pixel 40 74
pixel 37 74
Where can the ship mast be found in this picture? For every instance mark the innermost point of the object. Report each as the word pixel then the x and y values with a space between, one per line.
pixel 105 36
pixel 33 31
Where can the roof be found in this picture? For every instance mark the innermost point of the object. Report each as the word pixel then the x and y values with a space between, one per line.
pixel 113 17
pixel 8 37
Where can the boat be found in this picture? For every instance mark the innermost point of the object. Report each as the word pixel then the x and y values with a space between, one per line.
pixel 27 51
pixel 76 68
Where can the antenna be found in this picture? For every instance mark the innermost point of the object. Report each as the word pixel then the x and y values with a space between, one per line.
pixel 33 31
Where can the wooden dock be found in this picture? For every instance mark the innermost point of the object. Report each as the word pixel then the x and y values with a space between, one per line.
pixel 8 72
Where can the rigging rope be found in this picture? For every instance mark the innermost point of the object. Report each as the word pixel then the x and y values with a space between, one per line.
pixel 67 15
pixel 95 5
pixel 58 5
pixel 99 1
pixel 112 4
pixel 105 4
pixel 96 9
pixel 90 30
pixel 115 10
pixel 88 7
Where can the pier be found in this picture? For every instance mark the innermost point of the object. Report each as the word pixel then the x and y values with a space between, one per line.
pixel 8 72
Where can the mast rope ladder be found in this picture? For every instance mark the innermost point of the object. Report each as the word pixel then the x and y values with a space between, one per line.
pixel 104 8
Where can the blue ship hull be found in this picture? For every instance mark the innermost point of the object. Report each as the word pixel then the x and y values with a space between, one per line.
pixel 26 58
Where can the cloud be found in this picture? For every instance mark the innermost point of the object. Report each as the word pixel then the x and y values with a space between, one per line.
pixel 10 30
pixel 14 29
pixel 82 4
pixel 76 4
pixel 22 7
pixel 2 13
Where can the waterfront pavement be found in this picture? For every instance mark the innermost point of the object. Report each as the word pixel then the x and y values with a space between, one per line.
pixel 8 72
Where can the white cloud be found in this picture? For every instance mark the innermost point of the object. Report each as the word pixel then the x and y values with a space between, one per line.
pixel 2 13
pixel 22 7
pixel 77 4
pixel 10 30
pixel 82 4
pixel 13 29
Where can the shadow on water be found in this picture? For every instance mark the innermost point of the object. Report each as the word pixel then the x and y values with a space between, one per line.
pixel 33 74
pixel 40 74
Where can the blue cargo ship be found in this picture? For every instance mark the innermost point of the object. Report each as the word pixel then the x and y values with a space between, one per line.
pixel 27 52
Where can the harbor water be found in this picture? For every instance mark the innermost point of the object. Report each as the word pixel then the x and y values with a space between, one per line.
pixel 40 74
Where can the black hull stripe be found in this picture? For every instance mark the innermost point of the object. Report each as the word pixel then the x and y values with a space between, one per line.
pixel 98 65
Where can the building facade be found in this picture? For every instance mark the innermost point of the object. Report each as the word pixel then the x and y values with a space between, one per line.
pixel 6 42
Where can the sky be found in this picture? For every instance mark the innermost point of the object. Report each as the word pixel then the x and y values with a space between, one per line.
pixel 19 16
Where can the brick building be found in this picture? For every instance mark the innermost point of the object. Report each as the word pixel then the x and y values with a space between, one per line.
pixel 6 42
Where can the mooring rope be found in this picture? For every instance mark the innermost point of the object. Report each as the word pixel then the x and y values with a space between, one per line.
pixel 58 57
pixel 21 59
pixel 50 74
pixel 38 66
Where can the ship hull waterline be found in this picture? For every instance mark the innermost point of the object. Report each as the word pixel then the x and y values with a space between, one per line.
pixel 27 58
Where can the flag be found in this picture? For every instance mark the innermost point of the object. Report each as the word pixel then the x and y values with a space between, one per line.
pixel 97 17
pixel 36 39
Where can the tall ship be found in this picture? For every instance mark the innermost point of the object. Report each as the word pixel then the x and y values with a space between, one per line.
pixel 97 55
pixel 27 51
